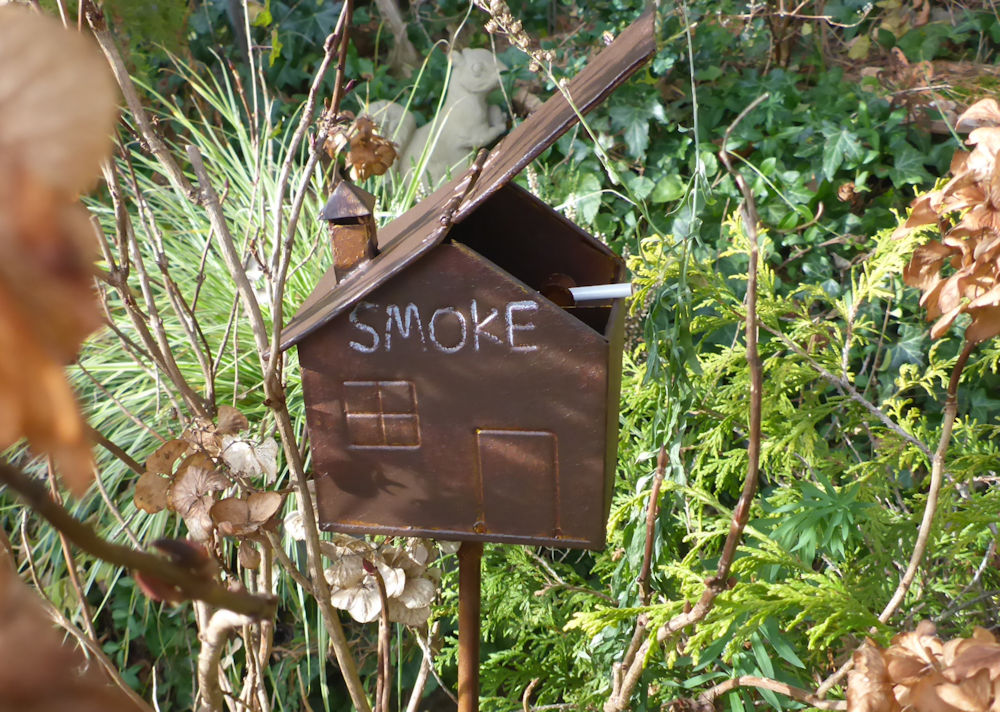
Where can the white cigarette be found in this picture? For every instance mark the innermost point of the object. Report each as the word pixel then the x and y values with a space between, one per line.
pixel 601 291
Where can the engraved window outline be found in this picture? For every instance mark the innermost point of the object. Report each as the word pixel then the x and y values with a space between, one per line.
pixel 377 413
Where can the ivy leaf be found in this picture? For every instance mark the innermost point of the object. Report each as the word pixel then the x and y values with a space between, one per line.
pixel 907 166
pixel 633 121
pixel 588 197
pixel 842 149
pixel 667 189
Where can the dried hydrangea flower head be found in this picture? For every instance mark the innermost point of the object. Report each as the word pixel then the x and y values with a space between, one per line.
pixel 920 673
pixel 960 273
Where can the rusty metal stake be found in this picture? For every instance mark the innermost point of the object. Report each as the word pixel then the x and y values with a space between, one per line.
pixel 470 557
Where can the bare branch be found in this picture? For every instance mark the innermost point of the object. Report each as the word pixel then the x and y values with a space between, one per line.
pixel 213 638
pixel 937 475
pixel 276 400
pixel 98 437
pixel 152 140
pixel 706 701
pixel 652 509
pixel 83 537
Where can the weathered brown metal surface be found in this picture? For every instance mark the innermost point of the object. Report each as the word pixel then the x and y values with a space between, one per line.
pixel 417 231
pixel 353 245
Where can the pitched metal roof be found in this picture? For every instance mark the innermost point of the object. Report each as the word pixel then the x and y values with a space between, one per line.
pixel 348 200
pixel 419 229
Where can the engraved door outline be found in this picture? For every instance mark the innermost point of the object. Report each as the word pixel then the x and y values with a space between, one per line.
pixel 520 468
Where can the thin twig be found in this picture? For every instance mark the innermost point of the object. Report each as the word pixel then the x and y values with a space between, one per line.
pixel 213 638
pixel 383 674
pixel 184 313
pixel 930 509
pixel 152 141
pixel 305 121
pixel 194 585
pixel 427 646
pixel 98 437
pixel 115 511
pixel 287 564
pixel 528 691
pixel 706 701
pixel 937 475
pixel 423 674
pixel 121 406
pixel 652 509
pixel 275 399
pixel 154 336
pixel 70 562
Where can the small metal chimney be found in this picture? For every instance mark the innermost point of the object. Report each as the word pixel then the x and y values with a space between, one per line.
pixel 349 215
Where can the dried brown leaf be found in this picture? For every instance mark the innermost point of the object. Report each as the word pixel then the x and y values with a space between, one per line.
pixel 985 325
pixel 417 593
pixel 201 435
pixel 984 112
pixel 973 656
pixel 248 555
pixel 400 613
pixel 163 458
pixel 958 161
pixel 242 517
pixel 192 493
pixel 363 601
pixel 993 187
pixel 184 552
pixel 370 154
pixel 151 492
pixel 230 421
pixel 58 109
pixel 923 270
pixel 345 571
pixel 868 688
pixel 251 458
pixel 941 326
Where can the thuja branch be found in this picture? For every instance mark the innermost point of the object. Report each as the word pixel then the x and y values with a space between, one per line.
pixel 192 584
pixel 717 583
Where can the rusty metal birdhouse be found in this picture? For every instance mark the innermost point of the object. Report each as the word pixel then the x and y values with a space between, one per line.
pixel 463 384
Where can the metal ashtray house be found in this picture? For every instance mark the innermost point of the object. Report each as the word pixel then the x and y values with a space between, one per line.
pixel 453 388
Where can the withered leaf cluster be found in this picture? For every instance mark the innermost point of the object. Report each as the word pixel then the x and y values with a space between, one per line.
pixel 960 273
pixel 919 672
pixel 191 489
pixel 58 108
pixel 369 154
